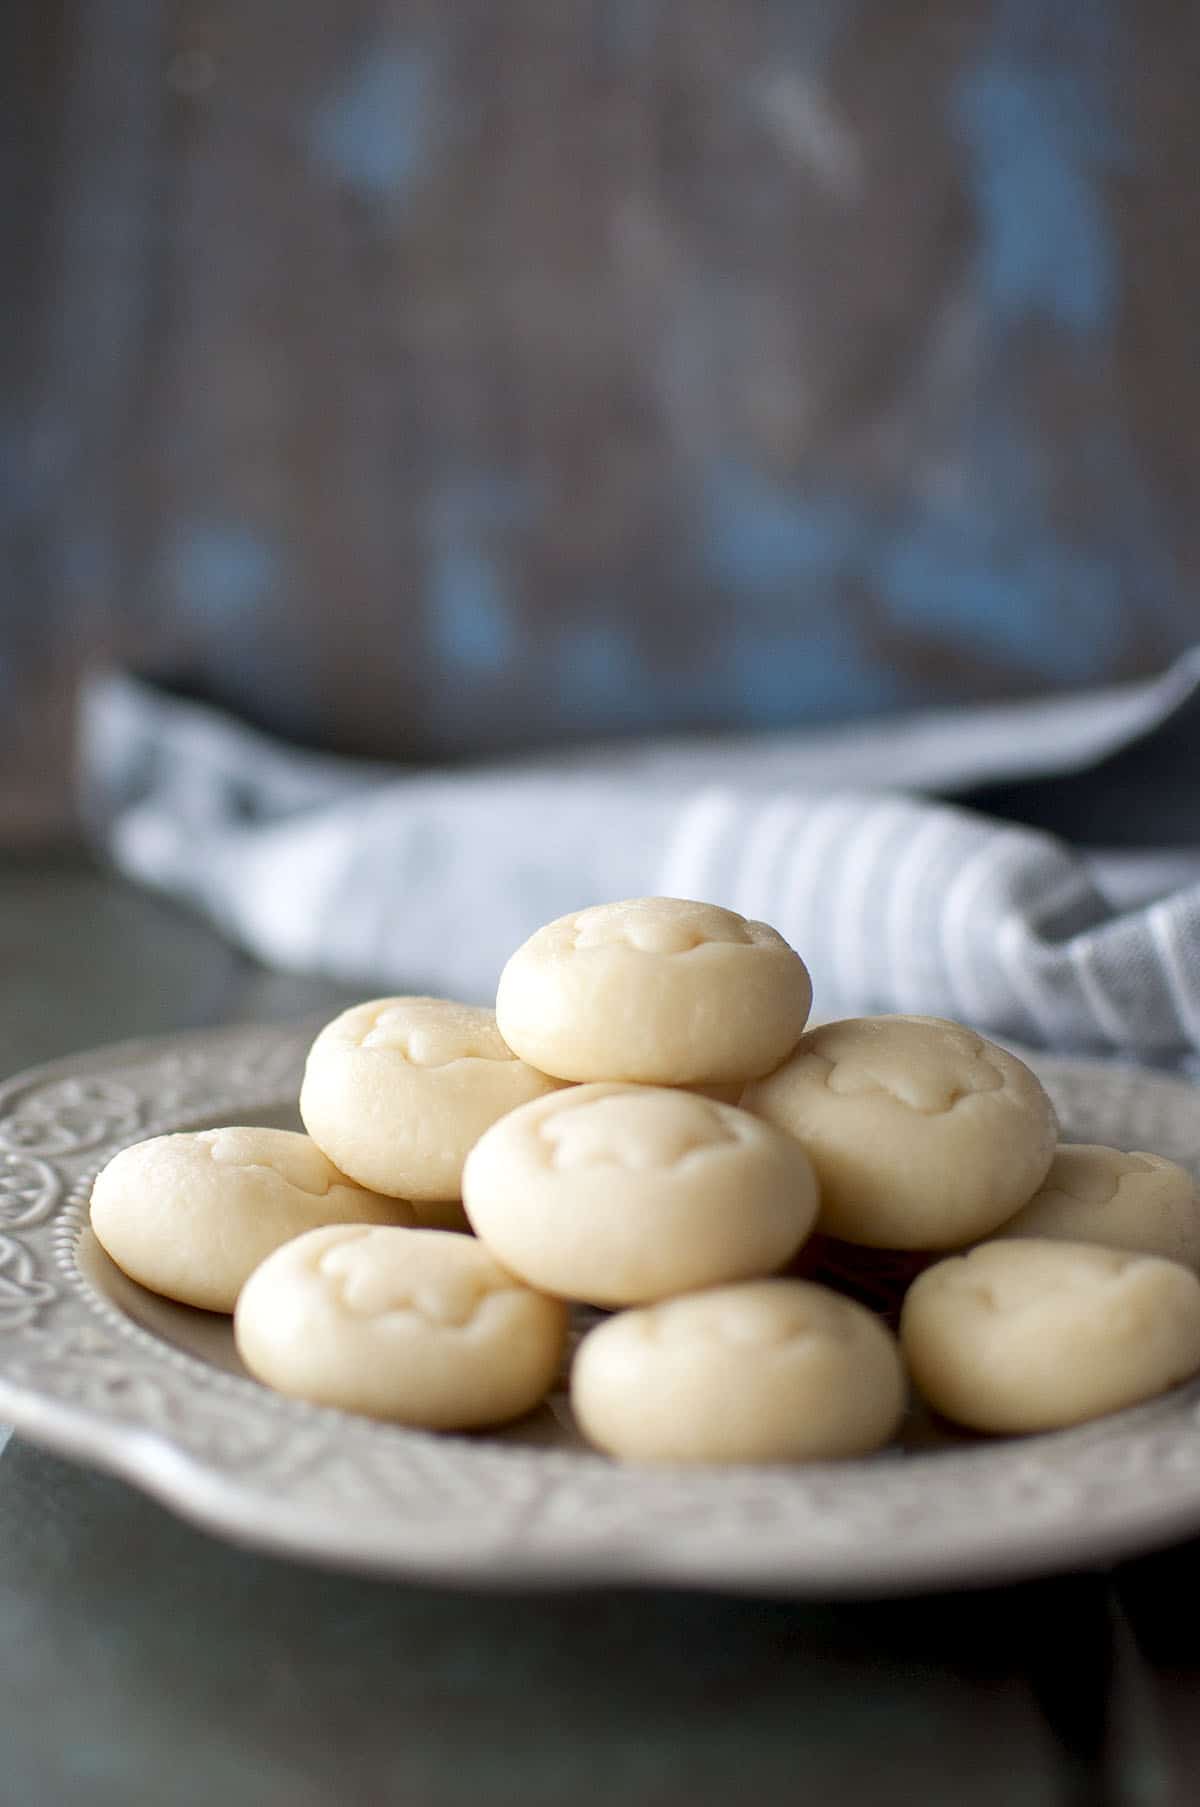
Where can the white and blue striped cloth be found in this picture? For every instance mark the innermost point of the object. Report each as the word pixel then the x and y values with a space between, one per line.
pixel 898 898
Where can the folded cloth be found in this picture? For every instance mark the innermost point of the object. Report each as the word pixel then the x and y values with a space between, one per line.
pixel 898 899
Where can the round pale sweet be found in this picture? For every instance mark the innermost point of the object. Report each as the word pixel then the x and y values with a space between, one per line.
pixel 420 1326
pixel 396 1091
pixel 191 1216
pixel 1036 1335
pixel 622 1194
pixel 1123 1201
pixel 769 1371
pixel 657 991
pixel 923 1134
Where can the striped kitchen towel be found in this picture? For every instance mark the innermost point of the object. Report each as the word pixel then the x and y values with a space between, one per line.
pixel 1031 868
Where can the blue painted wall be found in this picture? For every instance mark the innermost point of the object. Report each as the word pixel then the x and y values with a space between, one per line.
pixel 446 382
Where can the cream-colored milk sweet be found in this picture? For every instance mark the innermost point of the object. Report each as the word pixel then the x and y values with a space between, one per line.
pixel 654 991
pixel 1122 1201
pixel 619 1194
pixel 768 1371
pixel 1030 1335
pixel 191 1215
pixel 923 1134
pixel 419 1326
pixel 396 1091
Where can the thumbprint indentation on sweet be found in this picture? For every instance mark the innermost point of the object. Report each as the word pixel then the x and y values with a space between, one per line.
pixel 925 1081
pixel 437 1037
pixel 658 926
pixel 1090 1176
pixel 292 1158
pixel 748 1323
pixel 653 1130
pixel 370 1287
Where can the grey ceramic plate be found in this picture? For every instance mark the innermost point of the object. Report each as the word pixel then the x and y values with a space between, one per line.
pixel 95 1367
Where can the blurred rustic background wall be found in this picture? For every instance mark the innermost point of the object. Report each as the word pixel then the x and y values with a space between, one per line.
pixel 434 380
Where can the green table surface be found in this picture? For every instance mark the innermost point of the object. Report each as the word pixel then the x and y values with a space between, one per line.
pixel 142 1660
